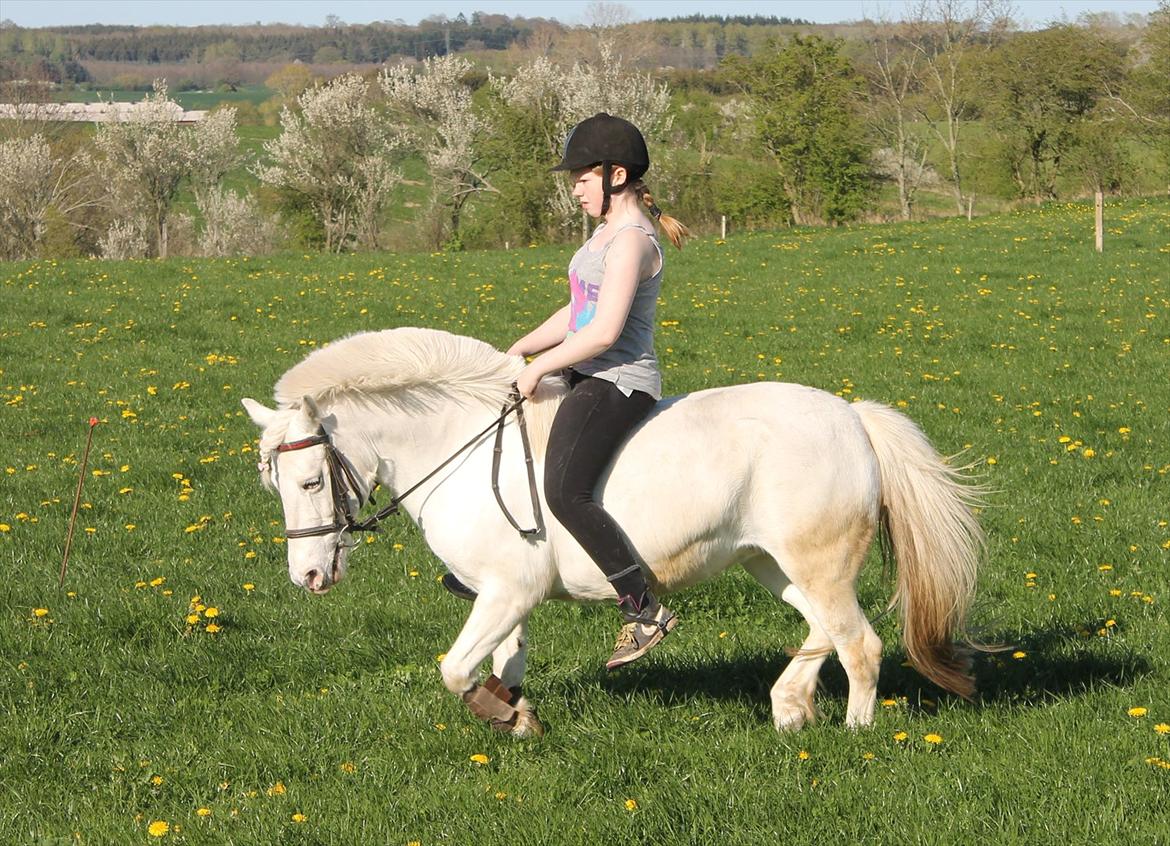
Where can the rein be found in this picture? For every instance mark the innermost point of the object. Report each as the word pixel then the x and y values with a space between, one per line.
pixel 342 478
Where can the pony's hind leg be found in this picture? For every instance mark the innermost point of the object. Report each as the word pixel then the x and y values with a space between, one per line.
pixel 823 589
pixel 792 694
pixel 834 605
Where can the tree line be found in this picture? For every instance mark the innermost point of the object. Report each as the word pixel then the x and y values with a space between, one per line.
pixel 444 153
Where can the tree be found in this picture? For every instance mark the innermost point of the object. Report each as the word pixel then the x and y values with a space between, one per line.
pixel 336 153
pixel 893 70
pixel 290 81
pixel 1043 91
pixel 1144 98
pixel 804 102
pixel 37 187
pixel 446 129
pixel 147 156
pixel 949 35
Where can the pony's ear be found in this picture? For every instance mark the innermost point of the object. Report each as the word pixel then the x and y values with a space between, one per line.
pixel 261 414
pixel 310 411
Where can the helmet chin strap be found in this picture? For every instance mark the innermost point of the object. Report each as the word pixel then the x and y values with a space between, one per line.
pixel 607 189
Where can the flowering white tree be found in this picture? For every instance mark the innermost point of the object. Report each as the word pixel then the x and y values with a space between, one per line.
pixel 233 224
pixel 146 160
pixel 150 155
pixel 445 128
pixel 337 152
pixel 35 184
pixel 562 98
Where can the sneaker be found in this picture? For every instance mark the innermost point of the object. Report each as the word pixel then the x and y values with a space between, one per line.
pixel 643 630
pixel 457 588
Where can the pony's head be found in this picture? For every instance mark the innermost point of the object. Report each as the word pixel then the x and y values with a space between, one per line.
pixel 294 461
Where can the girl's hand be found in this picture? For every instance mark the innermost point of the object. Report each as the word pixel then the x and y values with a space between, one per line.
pixel 528 379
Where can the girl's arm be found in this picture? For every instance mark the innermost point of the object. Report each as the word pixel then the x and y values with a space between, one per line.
pixel 548 334
pixel 623 271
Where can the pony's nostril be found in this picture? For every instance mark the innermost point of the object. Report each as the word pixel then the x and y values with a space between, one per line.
pixel 313 580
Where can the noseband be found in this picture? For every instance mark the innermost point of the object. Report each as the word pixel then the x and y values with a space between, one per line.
pixel 342 479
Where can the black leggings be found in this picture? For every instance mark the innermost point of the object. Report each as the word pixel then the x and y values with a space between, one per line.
pixel 592 422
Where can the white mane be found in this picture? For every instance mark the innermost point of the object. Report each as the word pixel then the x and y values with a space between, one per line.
pixel 407 367
pixel 377 365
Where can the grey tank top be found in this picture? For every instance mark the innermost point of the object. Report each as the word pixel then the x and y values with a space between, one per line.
pixel 630 363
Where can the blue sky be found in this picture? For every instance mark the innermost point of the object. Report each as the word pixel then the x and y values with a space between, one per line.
pixel 312 12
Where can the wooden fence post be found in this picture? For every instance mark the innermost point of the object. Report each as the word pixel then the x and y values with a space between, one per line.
pixel 1100 221
pixel 723 227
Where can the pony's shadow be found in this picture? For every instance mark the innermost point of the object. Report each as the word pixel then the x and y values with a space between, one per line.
pixel 1054 664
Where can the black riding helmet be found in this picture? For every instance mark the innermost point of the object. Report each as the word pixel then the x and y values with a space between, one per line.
pixel 606 140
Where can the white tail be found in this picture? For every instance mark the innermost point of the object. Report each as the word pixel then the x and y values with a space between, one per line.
pixel 936 540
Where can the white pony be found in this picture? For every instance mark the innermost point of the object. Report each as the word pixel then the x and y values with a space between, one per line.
pixel 787 481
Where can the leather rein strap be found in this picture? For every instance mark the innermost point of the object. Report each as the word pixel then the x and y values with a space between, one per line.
pixel 498 451
pixel 342 478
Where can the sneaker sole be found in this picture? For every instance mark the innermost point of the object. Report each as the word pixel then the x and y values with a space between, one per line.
pixel 634 656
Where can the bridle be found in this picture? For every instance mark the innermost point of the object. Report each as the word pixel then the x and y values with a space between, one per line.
pixel 343 480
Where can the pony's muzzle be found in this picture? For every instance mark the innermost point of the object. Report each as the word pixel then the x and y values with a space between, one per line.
pixel 317 582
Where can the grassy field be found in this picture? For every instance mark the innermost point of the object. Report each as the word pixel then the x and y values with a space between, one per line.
pixel 133 714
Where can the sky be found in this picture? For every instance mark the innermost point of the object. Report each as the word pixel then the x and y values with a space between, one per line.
pixel 37 13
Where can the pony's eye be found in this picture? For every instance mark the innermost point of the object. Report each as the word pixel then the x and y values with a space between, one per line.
pixel 312 484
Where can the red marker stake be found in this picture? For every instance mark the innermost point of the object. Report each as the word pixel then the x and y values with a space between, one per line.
pixel 93 421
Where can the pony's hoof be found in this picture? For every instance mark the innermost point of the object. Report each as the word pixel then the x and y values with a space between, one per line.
pixel 791 716
pixel 528 725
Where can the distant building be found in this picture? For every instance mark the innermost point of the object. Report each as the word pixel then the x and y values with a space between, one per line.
pixel 89 112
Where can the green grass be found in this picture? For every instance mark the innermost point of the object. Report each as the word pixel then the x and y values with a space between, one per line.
pixel 1003 337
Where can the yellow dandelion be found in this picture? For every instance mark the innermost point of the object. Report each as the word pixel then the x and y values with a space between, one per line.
pixel 480 758
pixel 347 767
pixel 1137 712
pixel 299 818
pixel 867 756
pixel 1019 654
pixel 192 619
pixel 249 586
pixel 933 739
pixel 901 736
pixel 211 612
pixel 631 805
pixel 203 812
pixel 803 755
pixel 158 828
pixel 156 780
pixel 40 612
pixel 889 703
pixel 1162 728
pixel 277 789
pixel 212 628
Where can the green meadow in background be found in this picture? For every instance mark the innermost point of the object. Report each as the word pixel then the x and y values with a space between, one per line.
pixel 180 689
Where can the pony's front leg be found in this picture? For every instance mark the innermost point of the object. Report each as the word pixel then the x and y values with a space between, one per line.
pixel 508 664
pixel 497 625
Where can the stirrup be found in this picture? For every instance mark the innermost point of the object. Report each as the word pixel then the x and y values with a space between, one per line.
pixel 639 635
pixel 457 588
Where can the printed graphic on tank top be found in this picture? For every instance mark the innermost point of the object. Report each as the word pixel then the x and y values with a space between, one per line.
pixel 630 363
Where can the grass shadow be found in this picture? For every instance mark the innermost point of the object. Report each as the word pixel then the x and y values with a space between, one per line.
pixel 1057 662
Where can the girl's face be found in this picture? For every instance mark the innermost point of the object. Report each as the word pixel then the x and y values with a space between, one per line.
pixel 587 187
pixel 587 190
